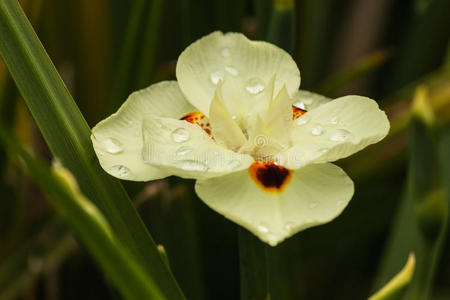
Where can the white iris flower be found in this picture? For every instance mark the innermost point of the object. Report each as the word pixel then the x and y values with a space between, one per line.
pixel 237 122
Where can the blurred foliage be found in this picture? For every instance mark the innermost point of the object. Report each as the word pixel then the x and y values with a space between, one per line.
pixel 385 49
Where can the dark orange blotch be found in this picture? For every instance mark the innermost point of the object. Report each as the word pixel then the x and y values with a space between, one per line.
pixel 297 112
pixel 270 176
pixel 193 117
pixel 198 118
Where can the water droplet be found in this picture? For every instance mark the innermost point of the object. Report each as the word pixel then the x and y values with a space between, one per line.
pixel 191 165
pixel 180 135
pixel 216 77
pixel 225 52
pixel 302 120
pixel 130 122
pixel 317 130
pixel 234 164
pixel 288 226
pixel 334 120
pixel 183 151
pixel 254 86
pixel 234 117
pixel 120 171
pixel 100 152
pixel 313 204
pixel 112 145
pixel 307 101
pixel 262 227
pixel 233 71
pixel 340 135
pixel 300 105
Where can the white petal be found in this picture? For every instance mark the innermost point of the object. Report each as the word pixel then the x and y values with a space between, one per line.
pixel 186 150
pixel 117 140
pixel 244 66
pixel 308 101
pixel 315 195
pixel 335 130
pixel 224 128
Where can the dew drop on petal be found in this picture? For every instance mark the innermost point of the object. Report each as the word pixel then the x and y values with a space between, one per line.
pixel 225 52
pixel 307 101
pixel 312 204
pixel 216 77
pixel 100 152
pixel 233 164
pixel 300 104
pixel 262 227
pixel 180 135
pixel 191 165
pixel 120 171
pixel 340 135
pixel 317 130
pixel 334 120
pixel 288 226
pixel 254 86
pixel 112 145
pixel 302 120
pixel 233 71
pixel 183 151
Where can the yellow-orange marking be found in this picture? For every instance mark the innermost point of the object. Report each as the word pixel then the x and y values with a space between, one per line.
pixel 198 118
pixel 270 176
pixel 297 112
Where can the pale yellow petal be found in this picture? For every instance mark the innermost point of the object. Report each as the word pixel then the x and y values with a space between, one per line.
pixel 244 66
pixel 316 194
pixel 183 149
pixel 117 140
pixel 335 130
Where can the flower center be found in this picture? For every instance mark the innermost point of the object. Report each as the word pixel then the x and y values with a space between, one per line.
pixel 198 118
pixel 270 176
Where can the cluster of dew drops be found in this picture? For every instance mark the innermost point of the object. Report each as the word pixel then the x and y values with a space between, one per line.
pixel 253 86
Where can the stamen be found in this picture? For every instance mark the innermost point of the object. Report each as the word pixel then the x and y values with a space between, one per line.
pixel 297 112
pixel 270 176
pixel 199 119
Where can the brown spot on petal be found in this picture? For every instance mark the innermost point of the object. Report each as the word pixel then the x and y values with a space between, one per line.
pixel 297 112
pixel 270 176
pixel 198 118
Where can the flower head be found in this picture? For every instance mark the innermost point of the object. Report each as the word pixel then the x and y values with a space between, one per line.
pixel 236 121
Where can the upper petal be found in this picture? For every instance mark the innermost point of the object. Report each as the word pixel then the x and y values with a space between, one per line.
pixel 183 149
pixel 314 195
pixel 118 139
pixel 225 130
pixel 335 130
pixel 244 66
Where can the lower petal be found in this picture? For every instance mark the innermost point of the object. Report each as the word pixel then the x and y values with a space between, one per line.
pixel 306 197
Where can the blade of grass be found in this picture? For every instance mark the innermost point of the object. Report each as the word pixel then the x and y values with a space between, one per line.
pixel 67 136
pixel 393 289
pixel 361 68
pixel 426 53
pixel 282 24
pixel 124 70
pixel 93 229
pixel 146 63
pixel 422 216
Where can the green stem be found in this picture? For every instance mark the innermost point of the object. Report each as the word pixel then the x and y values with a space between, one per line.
pixel 254 266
